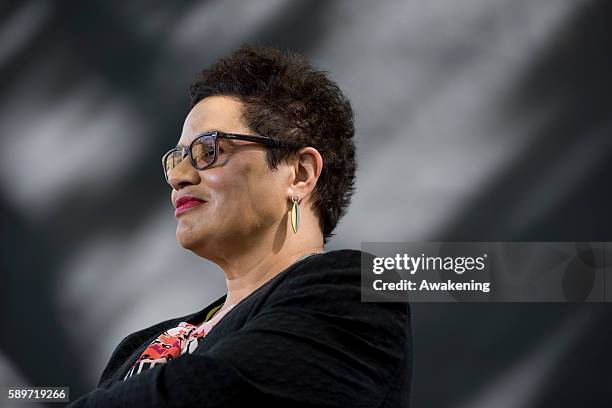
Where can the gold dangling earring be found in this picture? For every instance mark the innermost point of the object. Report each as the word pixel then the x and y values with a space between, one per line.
pixel 295 214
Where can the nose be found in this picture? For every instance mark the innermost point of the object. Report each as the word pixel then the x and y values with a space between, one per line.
pixel 183 174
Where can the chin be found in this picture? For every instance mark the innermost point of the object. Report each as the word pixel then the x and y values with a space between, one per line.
pixel 189 239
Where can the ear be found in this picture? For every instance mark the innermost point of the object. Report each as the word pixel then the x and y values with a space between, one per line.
pixel 307 169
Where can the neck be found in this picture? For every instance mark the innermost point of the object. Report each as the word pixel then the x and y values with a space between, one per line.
pixel 250 267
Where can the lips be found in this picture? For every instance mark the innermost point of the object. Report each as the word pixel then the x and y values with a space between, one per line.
pixel 185 203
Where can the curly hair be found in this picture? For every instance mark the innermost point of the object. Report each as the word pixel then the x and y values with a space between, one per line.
pixel 286 98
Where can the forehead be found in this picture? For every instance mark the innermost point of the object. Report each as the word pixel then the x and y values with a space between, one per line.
pixel 222 113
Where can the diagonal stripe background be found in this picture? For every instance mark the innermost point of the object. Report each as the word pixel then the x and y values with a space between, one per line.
pixel 478 120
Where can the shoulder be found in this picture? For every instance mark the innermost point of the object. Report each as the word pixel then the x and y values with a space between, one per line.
pixel 330 284
pixel 333 271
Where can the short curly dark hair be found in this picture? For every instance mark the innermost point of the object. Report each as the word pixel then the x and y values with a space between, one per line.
pixel 286 98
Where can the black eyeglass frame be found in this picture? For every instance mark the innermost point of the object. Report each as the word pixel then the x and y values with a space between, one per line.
pixel 186 150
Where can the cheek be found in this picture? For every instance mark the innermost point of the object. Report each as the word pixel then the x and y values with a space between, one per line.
pixel 217 183
pixel 229 191
pixel 246 190
pixel 267 196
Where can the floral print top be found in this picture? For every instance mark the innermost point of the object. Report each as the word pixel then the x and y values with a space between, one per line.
pixel 174 342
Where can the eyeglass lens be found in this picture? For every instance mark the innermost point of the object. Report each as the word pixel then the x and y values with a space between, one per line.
pixel 202 151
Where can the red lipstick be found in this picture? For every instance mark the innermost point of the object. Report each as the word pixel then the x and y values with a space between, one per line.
pixel 185 203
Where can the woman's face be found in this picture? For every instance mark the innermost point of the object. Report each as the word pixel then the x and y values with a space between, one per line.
pixel 244 199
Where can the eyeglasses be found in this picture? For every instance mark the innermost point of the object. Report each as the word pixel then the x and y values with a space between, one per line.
pixel 204 150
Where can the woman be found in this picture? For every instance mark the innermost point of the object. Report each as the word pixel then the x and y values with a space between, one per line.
pixel 261 174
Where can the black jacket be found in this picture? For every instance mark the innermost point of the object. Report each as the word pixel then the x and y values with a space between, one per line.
pixel 303 339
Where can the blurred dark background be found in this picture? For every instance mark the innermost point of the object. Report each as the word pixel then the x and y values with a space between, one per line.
pixel 477 120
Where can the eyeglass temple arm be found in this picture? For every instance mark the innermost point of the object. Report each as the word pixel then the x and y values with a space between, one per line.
pixel 259 139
